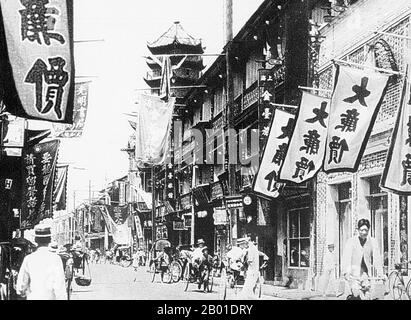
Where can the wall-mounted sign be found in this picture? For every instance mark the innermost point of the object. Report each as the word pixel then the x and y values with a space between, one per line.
pixel 247 200
pixel 234 202
pixel 178 225
pixel 220 216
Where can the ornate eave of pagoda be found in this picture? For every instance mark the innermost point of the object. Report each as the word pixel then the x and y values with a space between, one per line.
pixel 175 40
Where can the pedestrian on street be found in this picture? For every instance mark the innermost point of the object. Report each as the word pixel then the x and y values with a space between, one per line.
pixel 361 256
pixel 330 264
pixel 253 267
pixel 41 275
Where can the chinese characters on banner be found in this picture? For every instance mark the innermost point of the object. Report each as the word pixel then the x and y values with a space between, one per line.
pixel 39 165
pixel 307 146
pixel 354 107
pixel 79 113
pixel 38 76
pixel 274 154
pixel 266 84
pixel 397 171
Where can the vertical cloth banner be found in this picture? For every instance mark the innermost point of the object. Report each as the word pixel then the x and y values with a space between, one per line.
pixel 39 166
pixel 60 190
pixel 37 65
pixel 306 149
pixel 274 154
pixel 397 170
pixel 121 231
pixel 357 97
pixel 153 125
pixel 139 230
pixel 79 113
pixel 166 75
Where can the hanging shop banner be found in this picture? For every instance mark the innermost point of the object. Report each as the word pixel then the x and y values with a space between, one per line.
pixel 39 166
pixel 121 232
pixel 60 190
pixel 119 214
pixel 397 170
pixel 266 84
pixel 220 216
pixel 139 230
pixel 306 150
pixel 153 126
pixel 37 68
pixel 166 75
pixel 81 94
pixel 265 182
pixel 354 107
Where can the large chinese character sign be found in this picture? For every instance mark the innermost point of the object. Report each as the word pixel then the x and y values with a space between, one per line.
pixel 39 165
pixel 265 182
pixel 397 170
pixel 354 107
pixel 37 68
pixel 306 151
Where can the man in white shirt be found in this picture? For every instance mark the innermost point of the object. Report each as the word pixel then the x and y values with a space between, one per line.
pixel 235 257
pixel 41 275
pixel 198 252
pixel 253 267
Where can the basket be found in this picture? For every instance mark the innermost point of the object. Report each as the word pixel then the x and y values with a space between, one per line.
pixel 83 281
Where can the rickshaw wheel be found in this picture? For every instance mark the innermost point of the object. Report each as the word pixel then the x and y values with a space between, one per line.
pixel 187 276
pixel 211 281
pixel 167 276
pixel 176 270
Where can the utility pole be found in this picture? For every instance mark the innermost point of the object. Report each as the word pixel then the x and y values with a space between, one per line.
pixel 230 90
pixel 153 205
pixel 229 109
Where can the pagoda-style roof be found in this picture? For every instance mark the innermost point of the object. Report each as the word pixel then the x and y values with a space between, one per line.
pixel 179 81
pixel 175 38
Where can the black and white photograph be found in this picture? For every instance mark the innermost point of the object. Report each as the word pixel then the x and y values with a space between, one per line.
pixel 205 155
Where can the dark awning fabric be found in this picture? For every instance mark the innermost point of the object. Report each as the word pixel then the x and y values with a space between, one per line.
pixel 201 195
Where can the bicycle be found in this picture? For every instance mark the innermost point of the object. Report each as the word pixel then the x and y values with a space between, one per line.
pixel 396 281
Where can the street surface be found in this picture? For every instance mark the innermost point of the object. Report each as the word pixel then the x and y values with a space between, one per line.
pixel 113 282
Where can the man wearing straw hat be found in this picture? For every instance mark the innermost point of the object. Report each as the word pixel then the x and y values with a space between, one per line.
pixel 41 275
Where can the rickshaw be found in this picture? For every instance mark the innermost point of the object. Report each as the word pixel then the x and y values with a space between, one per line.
pixel 234 278
pixel 202 275
pixel 160 260
pixel 11 258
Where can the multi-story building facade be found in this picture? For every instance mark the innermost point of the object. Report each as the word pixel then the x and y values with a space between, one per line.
pixel 344 198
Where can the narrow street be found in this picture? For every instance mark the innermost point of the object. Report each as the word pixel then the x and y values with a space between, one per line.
pixel 113 282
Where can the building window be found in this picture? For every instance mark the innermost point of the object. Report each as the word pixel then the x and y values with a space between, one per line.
pixel 344 216
pixel 378 205
pixel 299 238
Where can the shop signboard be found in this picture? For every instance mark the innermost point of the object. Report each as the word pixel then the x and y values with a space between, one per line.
pixel 234 202
pixel 250 98
pixel 220 216
pixel 178 225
